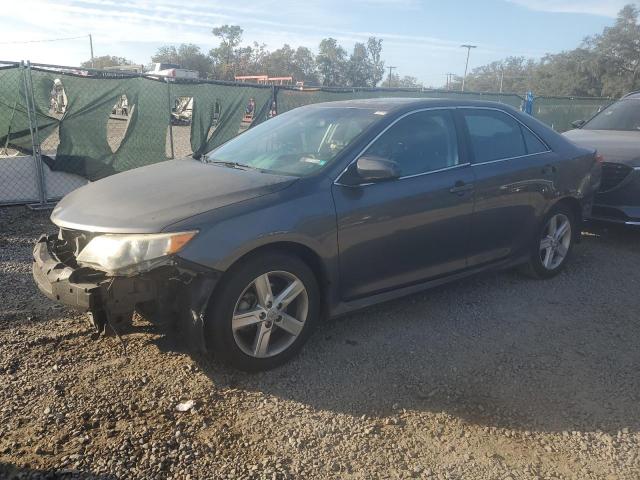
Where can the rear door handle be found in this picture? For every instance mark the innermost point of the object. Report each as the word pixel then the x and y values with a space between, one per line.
pixel 461 187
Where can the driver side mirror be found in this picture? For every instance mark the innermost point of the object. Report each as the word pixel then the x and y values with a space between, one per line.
pixel 578 123
pixel 376 169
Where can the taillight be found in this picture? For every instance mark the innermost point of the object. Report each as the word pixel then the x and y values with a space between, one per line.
pixel 599 158
pixel 172 73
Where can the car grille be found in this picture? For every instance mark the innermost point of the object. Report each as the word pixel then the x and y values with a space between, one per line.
pixel 612 175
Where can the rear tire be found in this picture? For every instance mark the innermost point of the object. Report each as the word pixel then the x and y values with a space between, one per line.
pixel 553 243
pixel 263 312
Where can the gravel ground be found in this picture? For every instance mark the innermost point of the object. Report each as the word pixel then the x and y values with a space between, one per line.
pixel 494 377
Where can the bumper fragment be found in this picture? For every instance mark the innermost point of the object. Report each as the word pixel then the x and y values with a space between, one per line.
pixel 54 279
pixel 86 289
pixel 177 293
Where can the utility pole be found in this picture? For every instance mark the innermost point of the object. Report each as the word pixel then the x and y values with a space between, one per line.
pixel 501 78
pixel 390 70
pixel 449 80
pixel 91 47
pixel 466 67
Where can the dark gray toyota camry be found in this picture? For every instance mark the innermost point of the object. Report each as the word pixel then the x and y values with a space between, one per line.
pixel 316 212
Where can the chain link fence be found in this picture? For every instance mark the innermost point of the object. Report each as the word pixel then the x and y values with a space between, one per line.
pixel 19 176
pixel 559 112
pixel 63 126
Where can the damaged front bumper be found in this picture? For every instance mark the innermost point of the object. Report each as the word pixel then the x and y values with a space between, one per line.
pixel 176 293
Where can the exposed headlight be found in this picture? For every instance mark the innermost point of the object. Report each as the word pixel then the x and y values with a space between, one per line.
pixel 126 254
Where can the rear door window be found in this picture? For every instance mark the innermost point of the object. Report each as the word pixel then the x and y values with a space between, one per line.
pixel 494 135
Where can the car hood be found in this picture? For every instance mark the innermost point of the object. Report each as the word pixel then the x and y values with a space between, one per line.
pixel 614 145
pixel 148 199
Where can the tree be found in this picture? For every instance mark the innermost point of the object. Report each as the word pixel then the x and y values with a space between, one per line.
pixel 285 61
pixel 243 62
pixel 106 61
pixel 186 55
pixel 405 82
pixel 365 68
pixel 607 64
pixel 359 69
pixel 305 66
pixel 280 62
pixel 225 54
pixel 332 63
pixel 575 72
pixel 514 74
pixel 259 56
pixel 618 52
pixel 376 65
pixel 409 82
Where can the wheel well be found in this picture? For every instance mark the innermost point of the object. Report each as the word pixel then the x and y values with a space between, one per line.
pixel 304 253
pixel 575 206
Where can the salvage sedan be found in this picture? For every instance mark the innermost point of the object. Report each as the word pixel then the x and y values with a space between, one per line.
pixel 314 213
pixel 615 133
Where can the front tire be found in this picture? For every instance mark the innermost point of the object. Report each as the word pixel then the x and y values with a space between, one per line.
pixel 553 244
pixel 263 312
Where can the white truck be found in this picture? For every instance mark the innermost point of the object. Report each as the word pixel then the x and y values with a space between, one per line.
pixel 170 71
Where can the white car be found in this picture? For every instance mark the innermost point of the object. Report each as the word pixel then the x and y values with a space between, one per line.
pixel 171 70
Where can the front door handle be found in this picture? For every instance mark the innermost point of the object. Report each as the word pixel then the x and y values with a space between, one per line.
pixel 461 187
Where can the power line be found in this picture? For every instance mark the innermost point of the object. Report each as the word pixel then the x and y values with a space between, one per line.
pixel 42 41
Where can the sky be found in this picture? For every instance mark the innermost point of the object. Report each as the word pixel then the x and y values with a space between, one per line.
pixel 421 38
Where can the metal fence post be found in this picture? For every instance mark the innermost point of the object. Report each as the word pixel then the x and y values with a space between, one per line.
pixel 273 101
pixel 533 105
pixel 32 116
pixel 170 117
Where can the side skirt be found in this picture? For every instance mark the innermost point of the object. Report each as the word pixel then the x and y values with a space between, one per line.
pixel 343 308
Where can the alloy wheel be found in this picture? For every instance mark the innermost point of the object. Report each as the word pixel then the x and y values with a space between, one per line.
pixel 555 241
pixel 270 314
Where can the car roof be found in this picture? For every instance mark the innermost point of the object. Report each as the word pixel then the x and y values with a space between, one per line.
pixel 402 103
pixel 632 95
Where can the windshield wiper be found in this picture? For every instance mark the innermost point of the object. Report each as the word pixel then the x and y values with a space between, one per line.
pixel 240 166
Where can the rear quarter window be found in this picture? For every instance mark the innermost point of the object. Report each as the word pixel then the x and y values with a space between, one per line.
pixel 533 143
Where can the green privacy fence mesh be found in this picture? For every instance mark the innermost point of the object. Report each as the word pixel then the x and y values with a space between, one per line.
pixel 87 113
pixel 19 179
pixel 96 123
pixel 220 109
pixel 14 124
pixel 559 112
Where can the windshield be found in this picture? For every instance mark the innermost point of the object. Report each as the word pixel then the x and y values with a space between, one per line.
pixel 299 142
pixel 622 115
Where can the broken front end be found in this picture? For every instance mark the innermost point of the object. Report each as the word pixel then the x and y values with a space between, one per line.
pixel 110 276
